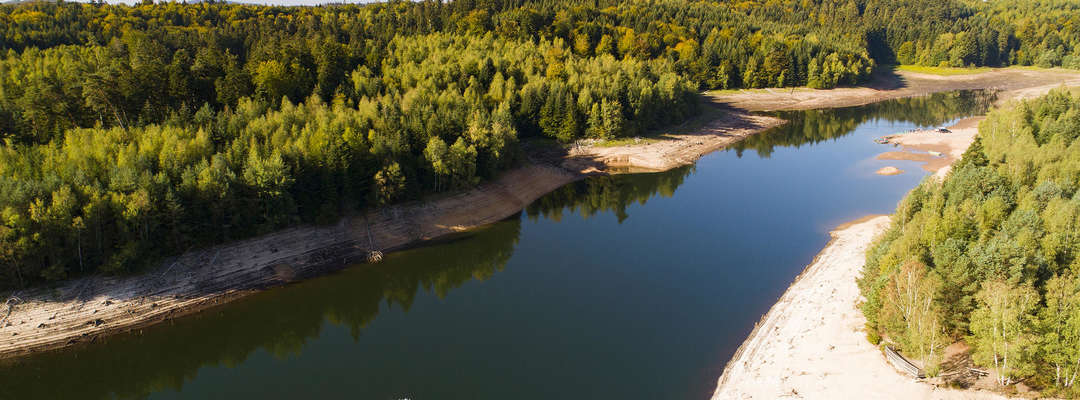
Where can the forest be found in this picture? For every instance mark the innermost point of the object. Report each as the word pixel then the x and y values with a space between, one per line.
pixel 989 256
pixel 129 133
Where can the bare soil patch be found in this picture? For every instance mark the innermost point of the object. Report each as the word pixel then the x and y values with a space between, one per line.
pixel 1010 84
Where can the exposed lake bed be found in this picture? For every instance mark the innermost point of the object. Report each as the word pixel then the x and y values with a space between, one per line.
pixel 557 305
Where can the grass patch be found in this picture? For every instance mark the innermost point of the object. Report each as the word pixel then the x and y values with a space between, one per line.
pixel 949 71
pixel 943 71
pixel 626 141
pixel 726 92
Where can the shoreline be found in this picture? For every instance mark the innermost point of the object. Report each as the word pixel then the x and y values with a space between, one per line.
pixel 812 344
pixel 846 364
pixel 757 339
pixel 84 309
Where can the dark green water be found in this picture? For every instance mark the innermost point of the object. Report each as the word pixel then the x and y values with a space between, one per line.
pixel 629 287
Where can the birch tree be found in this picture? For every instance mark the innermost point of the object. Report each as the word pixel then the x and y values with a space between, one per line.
pixel 1001 329
pixel 1060 329
pixel 912 315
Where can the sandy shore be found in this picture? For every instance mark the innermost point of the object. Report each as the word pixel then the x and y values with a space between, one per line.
pixel 671 150
pixel 889 171
pixel 83 309
pixel 812 344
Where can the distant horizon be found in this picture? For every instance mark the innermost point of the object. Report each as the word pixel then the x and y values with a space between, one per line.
pixel 285 3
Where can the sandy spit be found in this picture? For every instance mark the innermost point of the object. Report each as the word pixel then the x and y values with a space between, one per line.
pixel 672 150
pixel 918 145
pixel 812 344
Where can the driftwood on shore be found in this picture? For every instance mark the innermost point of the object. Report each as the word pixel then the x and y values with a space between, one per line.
pixel 10 303
pixel 902 363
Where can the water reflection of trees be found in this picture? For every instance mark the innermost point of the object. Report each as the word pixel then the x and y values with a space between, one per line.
pixel 814 126
pixel 616 193
pixel 279 322
pixel 282 321
pixel 607 194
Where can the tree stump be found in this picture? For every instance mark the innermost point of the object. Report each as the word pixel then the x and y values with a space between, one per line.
pixel 374 256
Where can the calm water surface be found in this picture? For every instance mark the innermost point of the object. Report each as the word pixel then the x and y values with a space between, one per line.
pixel 629 287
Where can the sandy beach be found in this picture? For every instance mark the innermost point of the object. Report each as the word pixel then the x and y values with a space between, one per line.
pixel 812 345
pixel 670 150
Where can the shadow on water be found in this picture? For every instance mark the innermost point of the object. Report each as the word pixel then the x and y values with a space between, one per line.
pixel 283 322
pixel 278 321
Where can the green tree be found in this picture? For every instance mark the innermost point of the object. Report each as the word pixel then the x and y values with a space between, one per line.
pixel 272 80
pixel 1059 325
pixel 389 183
pixel 436 154
pixel 912 315
pixel 1001 328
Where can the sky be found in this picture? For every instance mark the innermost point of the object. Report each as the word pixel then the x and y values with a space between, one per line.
pixel 262 2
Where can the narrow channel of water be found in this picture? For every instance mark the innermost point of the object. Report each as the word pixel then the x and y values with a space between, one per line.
pixel 628 287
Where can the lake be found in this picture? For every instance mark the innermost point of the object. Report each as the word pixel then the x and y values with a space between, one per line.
pixel 627 287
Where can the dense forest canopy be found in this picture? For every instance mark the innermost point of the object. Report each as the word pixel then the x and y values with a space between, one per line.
pixel 132 132
pixel 990 255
